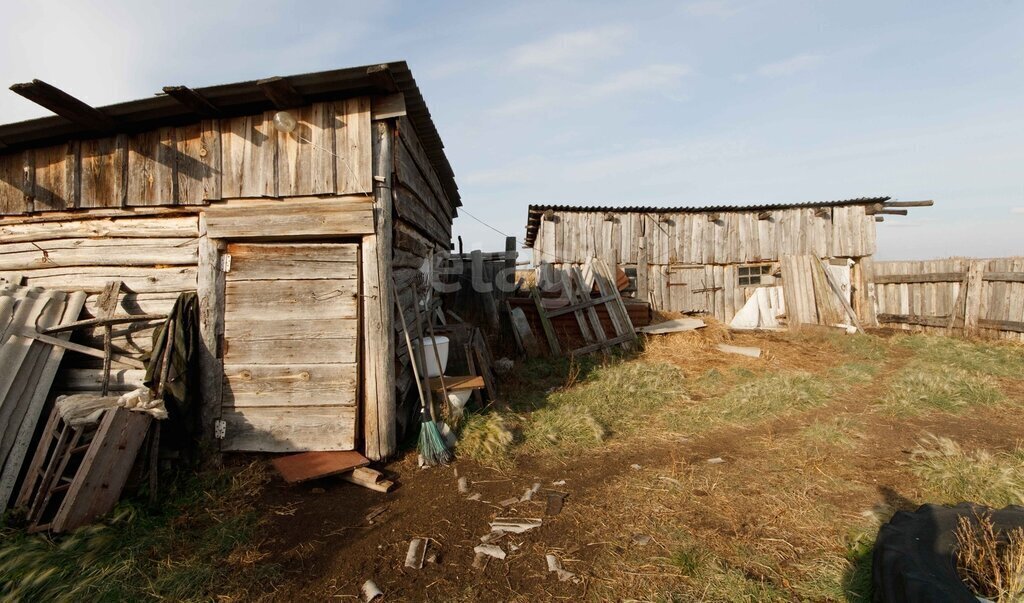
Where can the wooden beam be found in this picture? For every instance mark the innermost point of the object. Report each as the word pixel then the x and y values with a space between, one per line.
pixel 1004 277
pixel 1002 325
pixel 873 208
pixel 927 203
pixel 911 319
pixel 387 106
pixel 714 217
pixel 823 212
pixel 281 93
pixel 892 212
pixel 81 349
pixel 193 101
pixel 764 215
pixel 65 105
pixel 926 277
pixel 548 215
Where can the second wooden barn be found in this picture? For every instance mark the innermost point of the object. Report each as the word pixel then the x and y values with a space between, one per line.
pixel 711 260
pixel 291 233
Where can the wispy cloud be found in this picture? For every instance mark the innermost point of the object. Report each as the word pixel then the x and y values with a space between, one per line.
pixel 665 78
pixel 787 67
pixel 568 50
pixel 712 8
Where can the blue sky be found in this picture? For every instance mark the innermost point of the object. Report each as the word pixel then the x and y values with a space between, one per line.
pixel 657 103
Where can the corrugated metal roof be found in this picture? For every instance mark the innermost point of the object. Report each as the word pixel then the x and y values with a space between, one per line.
pixel 244 98
pixel 536 211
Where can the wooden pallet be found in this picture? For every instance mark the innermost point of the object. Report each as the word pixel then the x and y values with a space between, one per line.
pixel 77 473
pixel 583 306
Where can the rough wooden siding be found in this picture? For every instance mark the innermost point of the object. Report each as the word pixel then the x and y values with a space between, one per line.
pixel 929 305
pixel 422 230
pixel 155 256
pixel 197 163
pixel 687 262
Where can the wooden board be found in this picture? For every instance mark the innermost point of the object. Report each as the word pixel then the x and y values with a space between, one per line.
pixel 296 468
pixel 290 347
pixel 351 215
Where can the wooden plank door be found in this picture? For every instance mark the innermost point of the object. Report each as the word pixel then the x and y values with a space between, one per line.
pixel 290 346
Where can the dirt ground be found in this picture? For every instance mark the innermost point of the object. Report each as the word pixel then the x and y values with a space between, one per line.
pixel 647 514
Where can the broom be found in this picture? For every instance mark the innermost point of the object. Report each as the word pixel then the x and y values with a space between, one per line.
pixel 431 445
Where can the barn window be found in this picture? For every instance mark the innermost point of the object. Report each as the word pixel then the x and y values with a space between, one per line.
pixel 750 276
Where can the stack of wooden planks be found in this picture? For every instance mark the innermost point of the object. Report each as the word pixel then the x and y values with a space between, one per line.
pixel 28 368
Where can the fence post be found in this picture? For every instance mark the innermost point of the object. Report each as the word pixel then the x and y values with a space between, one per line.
pixel 972 307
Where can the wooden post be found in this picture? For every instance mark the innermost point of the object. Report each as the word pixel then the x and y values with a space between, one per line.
pixel 510 266
pixel 642 276
pixel 380 436
pixel 210 291
pixel 972 307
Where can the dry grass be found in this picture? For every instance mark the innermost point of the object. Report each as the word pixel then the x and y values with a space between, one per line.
pixel 952 475
pixel 842 432
pixel 994 358
pixel 991 563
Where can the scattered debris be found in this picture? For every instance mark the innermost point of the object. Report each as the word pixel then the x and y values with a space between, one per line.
pixel 560 482
pixel 480 561
pixel 492 536
pixel 508 502
pixel 375 512
pixel 473 496
pixel 369 478
pixel 515 525
pixel 555 502
pixel 635 467
pixel 716 460
pixel 417 552
pixel 527 496
pixel 677 325
pixel 371 591
pixel 463 485
pixel 554 565
pixel 641 539
pixel 735 349
pixel 491 550
pixel 671 480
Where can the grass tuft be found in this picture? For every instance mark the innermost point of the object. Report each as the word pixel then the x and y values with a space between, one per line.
pixel 953 475
pixel 921 388
pixel 767 396
pixel 841 432
pixel 486 439
pixel 200 545
pixel 997 359
pixel 989 561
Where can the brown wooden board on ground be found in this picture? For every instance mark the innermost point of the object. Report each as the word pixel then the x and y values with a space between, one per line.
pixel 296 468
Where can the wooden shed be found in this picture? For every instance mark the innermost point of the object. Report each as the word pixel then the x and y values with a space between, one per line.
pixel 710 259
pixel 291 237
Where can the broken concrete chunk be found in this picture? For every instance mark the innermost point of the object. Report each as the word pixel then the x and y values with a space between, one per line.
pixel 514 525
pixel 508 502
pixel 417 552
pixel 491 550
pixel 526 495
pixel 560 482
pixel 473 496
pixel 370 591
pixel 463 485
pixel 716 460
pixel 635 467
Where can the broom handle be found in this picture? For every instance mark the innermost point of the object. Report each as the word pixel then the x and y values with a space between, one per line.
pixel 437 355
pixel 408 346
pixel 419 333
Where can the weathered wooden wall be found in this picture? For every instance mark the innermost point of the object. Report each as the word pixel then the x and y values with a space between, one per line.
pixel 156 257
pixel 982 297
pixel 423 216
pixel 688 262
pixel 197 163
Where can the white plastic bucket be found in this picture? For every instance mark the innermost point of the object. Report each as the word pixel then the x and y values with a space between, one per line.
pixel 441 342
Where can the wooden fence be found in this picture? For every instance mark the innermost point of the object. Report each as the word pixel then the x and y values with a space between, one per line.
pixel 957 295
